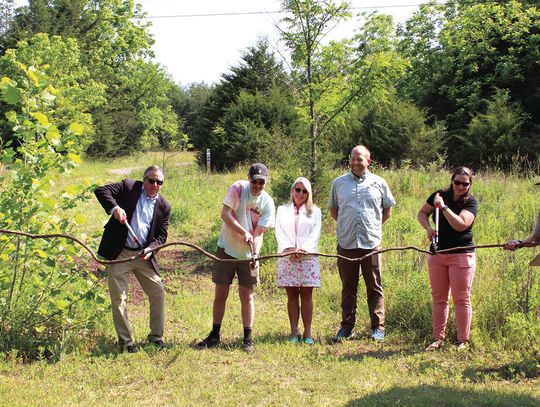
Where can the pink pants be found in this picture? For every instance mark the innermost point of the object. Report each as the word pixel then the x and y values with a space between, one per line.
pixel 451 272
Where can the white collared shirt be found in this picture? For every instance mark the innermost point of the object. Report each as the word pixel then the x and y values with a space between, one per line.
pixel 296 229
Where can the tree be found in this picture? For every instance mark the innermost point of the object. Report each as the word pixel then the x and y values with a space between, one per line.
pixel 6 19
pixel 45 299
pixel 76 94
pixel 473 51
pixel 258 75
pixel 115 48
pixel 308 22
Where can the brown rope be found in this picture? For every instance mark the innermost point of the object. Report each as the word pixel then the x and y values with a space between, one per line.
pixel 256 258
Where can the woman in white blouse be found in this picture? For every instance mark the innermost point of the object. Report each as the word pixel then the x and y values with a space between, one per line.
pixel 298 228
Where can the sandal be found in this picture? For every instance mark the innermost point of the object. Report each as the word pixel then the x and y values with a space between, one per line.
pixel 435 345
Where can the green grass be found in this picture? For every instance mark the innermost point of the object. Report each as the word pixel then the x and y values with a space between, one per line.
pixel 502 367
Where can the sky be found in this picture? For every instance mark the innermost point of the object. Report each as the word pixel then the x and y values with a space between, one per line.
pixel 199 48
pixel 194 46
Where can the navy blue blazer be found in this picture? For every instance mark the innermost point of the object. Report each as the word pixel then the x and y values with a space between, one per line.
pixel 125 194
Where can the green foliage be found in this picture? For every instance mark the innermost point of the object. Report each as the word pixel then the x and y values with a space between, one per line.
pixel 464 54
pixel 245 110
pixel 497 135
pixel 395 130
pixel 76 94
pixel 45 298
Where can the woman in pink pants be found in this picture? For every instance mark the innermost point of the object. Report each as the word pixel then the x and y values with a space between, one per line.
pixel 451 271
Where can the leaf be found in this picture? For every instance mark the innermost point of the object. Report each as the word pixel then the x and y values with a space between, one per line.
pixel 33 77
pixel 41 253
pixel 71 189
pixel 76 128
pixel 41 118
pixel 74 157
pixel 12 95
pixel 80 218
pixel 40 329
pixel 61 304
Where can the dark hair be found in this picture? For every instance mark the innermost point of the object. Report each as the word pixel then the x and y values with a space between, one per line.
pixel 448 193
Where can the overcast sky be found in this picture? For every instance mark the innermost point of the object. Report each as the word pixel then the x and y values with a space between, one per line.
pixel 198 48
pixel 199 40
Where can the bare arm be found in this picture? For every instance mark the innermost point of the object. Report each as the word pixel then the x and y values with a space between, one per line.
pixel 530 241
pixel 386 213
pixel 423 218
pixel 228 216
pixel 258 239
pixel 458 222
pixel 334 213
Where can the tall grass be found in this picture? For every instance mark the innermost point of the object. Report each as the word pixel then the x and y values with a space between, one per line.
pixel 505 293
pixel 359 372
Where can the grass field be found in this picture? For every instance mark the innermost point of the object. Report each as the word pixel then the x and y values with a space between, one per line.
pixel 502 368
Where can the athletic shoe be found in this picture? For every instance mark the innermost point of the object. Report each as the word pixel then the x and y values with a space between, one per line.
pixel 247 345
pixel 209 342
pixel 377 334
pixel 342 334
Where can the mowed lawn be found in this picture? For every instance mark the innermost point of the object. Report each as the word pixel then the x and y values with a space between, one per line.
pixel 356 372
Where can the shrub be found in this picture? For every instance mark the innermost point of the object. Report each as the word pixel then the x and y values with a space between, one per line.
pixel 45 298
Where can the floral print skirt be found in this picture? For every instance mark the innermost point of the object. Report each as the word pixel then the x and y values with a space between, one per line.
pixel 302 273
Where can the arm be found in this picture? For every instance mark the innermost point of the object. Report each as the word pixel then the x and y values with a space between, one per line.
pixel 334 213
pixel 386 213
pixel 228 216
pixel 517 244
pixel 312 240
pixel 107 196
pixel 258 239
pixel 459 222
pixel 285 243
pixel 530 241
pixel 423 218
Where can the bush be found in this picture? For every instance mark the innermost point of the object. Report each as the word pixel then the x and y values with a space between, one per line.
pixel 45 298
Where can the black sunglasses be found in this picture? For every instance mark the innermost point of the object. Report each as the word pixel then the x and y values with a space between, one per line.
pixel 154 181
pixel 299 190
pixel 465 184
pixel 258 181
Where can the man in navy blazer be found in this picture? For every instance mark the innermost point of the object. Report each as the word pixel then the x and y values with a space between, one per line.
pixel 139 204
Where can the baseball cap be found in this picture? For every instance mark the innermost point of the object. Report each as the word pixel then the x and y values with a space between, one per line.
pixel 258 171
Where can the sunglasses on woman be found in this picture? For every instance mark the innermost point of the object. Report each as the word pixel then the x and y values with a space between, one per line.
pixel 300 190
pixel 154 181
pixel 458 183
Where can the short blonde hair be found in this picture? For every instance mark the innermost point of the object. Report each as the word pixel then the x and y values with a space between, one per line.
pixel 309 200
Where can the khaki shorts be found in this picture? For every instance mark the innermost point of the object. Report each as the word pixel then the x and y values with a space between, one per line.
pixel 223 272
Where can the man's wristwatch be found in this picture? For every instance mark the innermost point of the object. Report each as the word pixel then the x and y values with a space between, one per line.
pixel 444 208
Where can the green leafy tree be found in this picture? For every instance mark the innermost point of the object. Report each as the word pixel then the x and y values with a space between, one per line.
pixel 496 135
pixel 308 22
pixel 463 54
pixel 77 93
pixel 115 47
pixel 258 75
pixel 45 299
pixel 248 128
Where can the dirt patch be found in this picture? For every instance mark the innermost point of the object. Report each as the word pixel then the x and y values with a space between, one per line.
pixel 178 270
pixel 122 171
